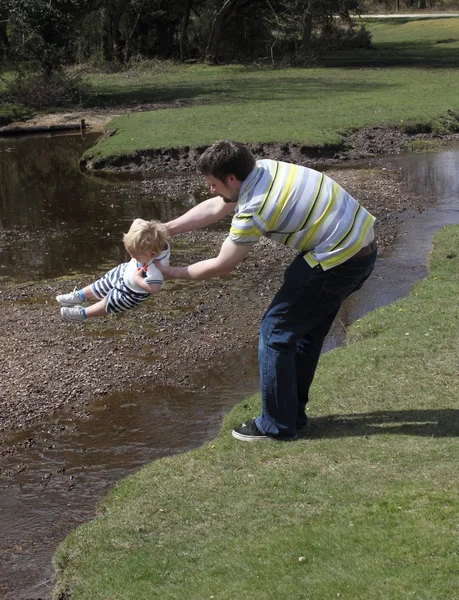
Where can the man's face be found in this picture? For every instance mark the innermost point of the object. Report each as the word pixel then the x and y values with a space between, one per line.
pixel 227 189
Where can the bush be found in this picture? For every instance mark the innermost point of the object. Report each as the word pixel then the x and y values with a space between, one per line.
pixel 344 38
pixel 40 90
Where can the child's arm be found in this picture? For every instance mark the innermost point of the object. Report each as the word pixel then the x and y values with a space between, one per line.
pixel 150 288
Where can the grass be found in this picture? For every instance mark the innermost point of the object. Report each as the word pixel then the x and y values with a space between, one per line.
pixel 364 507
pixel 314 107
pixel 310 106
pixel 423 43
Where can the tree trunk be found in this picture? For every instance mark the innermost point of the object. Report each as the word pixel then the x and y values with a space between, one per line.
pixel 222 19
pixel 4 41
pixel 307 30
pixel 115 12
pixel 183 42
pixel 422 4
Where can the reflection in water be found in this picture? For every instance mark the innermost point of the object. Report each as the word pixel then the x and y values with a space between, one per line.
pixel 53 216
pixel 435 176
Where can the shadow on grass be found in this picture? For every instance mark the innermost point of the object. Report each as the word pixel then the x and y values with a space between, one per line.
pixel 438 54
pixel 429 423
pixel 233 91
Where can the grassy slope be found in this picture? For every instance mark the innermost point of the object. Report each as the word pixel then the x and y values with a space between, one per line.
pixel 311 106
pixel 369 499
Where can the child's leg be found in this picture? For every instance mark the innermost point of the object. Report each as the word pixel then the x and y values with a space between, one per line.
pixel 96 310
pixel 78 314
pixel 87 292
pixel 104 285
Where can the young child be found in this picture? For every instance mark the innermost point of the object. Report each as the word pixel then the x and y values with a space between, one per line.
pixel 128 284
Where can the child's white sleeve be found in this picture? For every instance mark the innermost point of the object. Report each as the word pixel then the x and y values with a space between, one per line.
pixel 153 275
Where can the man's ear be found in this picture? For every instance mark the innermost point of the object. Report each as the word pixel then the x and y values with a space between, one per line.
pixel 233 180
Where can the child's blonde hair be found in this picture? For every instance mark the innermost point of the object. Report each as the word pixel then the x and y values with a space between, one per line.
pixel 145 237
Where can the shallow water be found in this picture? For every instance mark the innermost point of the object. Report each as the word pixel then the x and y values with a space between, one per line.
pixel 53 216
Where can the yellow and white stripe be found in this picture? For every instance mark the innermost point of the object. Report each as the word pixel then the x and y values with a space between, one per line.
pixel 303 209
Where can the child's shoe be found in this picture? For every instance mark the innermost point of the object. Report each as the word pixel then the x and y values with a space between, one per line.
pixel 73 313
pixel 72 299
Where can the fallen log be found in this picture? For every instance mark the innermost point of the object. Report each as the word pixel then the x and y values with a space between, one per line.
pixel 27 129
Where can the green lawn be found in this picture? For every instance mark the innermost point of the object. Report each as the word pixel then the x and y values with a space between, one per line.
pixel 311 106
pixel 314 107
pixel 364 507
pixel 424 43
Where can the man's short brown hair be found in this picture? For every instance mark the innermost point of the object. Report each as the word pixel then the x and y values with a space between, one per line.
pixel 225 158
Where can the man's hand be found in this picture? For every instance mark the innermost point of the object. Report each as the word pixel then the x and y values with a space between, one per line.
pixel 140 281
pixel 230 256
pixel 171 272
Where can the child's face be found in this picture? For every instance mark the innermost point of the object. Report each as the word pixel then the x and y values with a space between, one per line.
pixel 142 257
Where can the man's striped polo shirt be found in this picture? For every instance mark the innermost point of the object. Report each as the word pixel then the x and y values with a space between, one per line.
pixel 303 209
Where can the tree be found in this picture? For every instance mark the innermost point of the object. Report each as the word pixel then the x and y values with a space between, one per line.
pixel 43 30
pixel 4 41
pixel 114 10
pixel 226 11
pixel 183 40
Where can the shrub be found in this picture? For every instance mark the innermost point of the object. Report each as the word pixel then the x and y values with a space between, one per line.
pixel 344 38
pixel 41 90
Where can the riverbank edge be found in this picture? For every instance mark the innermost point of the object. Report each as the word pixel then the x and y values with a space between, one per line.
pixel 142 505
pixel 362 143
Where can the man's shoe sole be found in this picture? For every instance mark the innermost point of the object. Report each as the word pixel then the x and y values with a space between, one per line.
pixel 249 438
pixel 256 438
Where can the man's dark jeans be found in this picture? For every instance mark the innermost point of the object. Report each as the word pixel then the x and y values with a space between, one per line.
pixel 292 333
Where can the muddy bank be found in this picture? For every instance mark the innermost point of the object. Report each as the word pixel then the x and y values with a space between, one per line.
pixel 364 143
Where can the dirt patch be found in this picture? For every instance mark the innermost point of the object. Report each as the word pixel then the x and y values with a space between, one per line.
pixel 96 119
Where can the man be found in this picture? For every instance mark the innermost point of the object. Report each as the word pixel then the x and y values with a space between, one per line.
pixel 303 209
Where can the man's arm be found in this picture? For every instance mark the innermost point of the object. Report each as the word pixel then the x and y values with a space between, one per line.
pixel 230 256
pixel 207 212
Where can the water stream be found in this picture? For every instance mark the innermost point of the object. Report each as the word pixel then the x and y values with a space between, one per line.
pixel 53 216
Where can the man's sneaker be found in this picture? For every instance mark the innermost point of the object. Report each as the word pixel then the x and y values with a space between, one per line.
pixel 249 432
pixel 73 313
pixel 72 299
